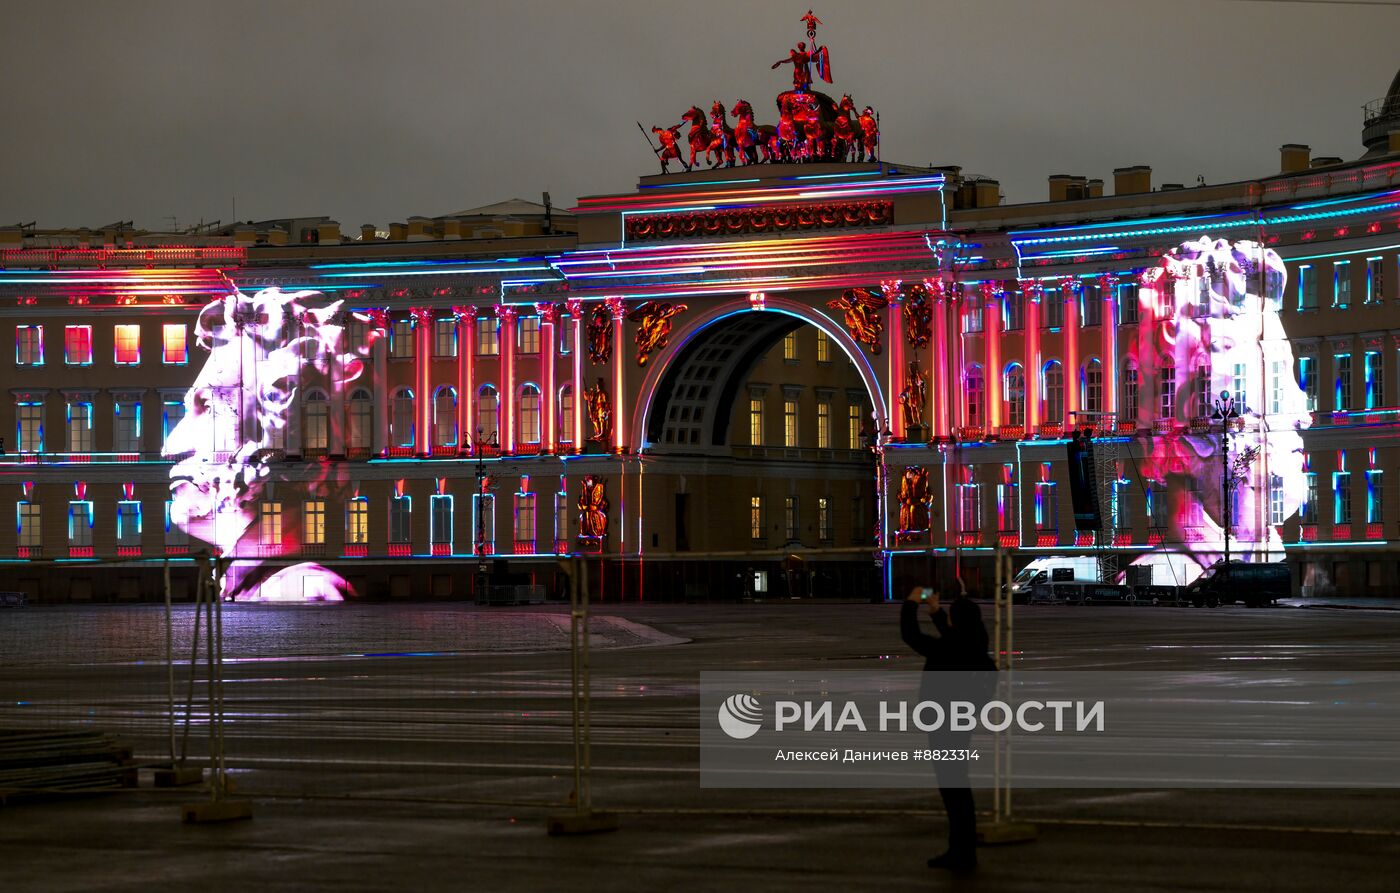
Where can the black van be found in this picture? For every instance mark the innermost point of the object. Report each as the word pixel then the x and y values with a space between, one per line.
pixel 1255 584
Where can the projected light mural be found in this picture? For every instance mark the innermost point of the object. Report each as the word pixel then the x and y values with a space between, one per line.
pixel 265 350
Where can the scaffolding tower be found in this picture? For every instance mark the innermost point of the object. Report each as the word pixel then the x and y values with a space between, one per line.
pixel 1108 454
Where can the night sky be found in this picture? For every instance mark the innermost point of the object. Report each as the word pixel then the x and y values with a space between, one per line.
pixel 374 111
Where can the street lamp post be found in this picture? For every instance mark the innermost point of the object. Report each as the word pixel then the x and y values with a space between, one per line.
pixel 482 487
pixel 1225 413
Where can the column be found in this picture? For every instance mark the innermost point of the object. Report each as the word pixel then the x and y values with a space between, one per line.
pixel 1109 349
pixel 619 313
pixel 941 383
pixel 507 315
pixel 894 326
pixel 379 318
pixel 575 306
pixel 422 379
pixel 549 322
pixel 1031 293
pixel 1070 288
pixel 466 376
pixel 991 343
pixel 335 425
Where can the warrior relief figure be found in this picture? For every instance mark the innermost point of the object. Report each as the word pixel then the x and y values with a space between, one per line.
pixel 599 406
pixel 600 335
pixel 592 509
pixel 862 307
pixel 870 134
pixel 653 319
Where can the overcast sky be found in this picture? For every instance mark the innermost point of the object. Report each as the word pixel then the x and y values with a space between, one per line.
pixel 374 111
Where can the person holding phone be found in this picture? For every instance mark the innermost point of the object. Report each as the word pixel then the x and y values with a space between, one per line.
pixel 960 646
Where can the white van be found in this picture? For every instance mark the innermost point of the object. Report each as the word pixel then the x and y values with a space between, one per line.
pixel 1054 569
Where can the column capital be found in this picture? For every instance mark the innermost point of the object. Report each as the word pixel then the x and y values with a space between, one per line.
pixel 575 306
pixel 506 313
pixel 892 290
pixel 1107 281
pixel 467 311
pixel 379 317
pixel 617 307
pixel 421 315
pixel 1071 284
pixel 937 287
pixel 548 311
pixel 1031 289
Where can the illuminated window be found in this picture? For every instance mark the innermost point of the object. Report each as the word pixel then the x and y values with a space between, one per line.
pixel 1276 374
pixel 1204 397
pixel 488 343
pixel 975 391
pixel 527 334
pixel 127 340
pixel 1375 380
pixel 1375 501
pixel 824 519
pixel 313 522
pixel 525 517
pixel 790 523
pixel 401 339
pixel 175 522
pixel 1309 507
pixel 79 524
pixel 29 426
pixel 1275 500
pixel 1052 303
pixel 823 347
pixel 824 425
pixel 29 345
pixel 1307 288
pixel 790 423
pixel 1093 386
pixel 484 523
pixel 1341 491
pixel 969 505
pixel 174 345
pixel 1127 302
pixel 1375 280
pixel 853 423
pixel 129 523
pixel 1008 508
pixel 1121 515
pixel 1166 390
pixel 270 523
pixel 1157 504
pixel 1014 389
pixel 1047 506
pixel 445 336
pixel 77 345
pixel 126 434
pixel 755 421
pixel 1129 391
pixel 1093 305
pixel 401 421
pixel 561 517
pixel 487 409
pixel 756 517
pixel 566 334
pixel 1307 380
pixel 566 414
pixel 529 414
pixel 357 521
pixel 1341 284
pixel 1014 310
pixel 400 520
pixel 445 417
pixel 315 423
pixel 360 412
pixel 80 427
pixel 790 347
pixel 440 520
pixel 1342 401
pixel 972 311
pixel 29 521
pixel 357 334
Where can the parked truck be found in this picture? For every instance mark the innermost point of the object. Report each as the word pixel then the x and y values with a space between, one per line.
pixel 1055 578
pixel 1255 583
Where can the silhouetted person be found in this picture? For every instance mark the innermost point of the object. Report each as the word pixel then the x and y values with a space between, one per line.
pixel 960 646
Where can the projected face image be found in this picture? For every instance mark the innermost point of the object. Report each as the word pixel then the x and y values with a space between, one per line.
pixel 264 349
pixel 1217 337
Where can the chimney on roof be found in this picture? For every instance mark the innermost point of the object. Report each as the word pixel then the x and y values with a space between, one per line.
pixel 367 232
pixel 451 229
pixel 1094 188
pixel 277 236
pixel 398 232
pixel 1326 160
pixel 245 235
pixel 1293 157
pixel 328 233
pixel 420 229
pixel 1132 180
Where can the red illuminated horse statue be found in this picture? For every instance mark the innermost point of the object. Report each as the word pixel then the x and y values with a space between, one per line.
pixel 699 134
pixel 752 139
pixel 721 137
pixel 812 115
pixel 845 131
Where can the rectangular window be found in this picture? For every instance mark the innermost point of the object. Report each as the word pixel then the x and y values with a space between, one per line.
pixel 1375 380
pixel 1375 502
pixel 853 421
pixel 445 336
pixel 756 518
pixel 524 517
pixel 755 421
pixel 401 339
pixel 1127 302
pixel 1092 303
pixel 127 427
pixel 972 311
pixel 1309 507
pixel 357 521
pixel 1047 506
pixel 1121 508
pixel 79 524
pixel 1275 500
pixel 1342 401
pixel 1375 280
pixel 484 523
pixel 566 415
pixel 400 520
pixel 1014 304
pixel 969 508
pixel 80 427
pixel 790 524
pixel 1341 493
pixel 77 345
pixel 357 334
pixel 270 524
pixel 440 520
pixel 823 347
pixel 1276 387
pixel 129 524
pixel 172 413
pixel 29 524
pixel 860 526
pixel 1007 510
pixel 313 522
pixel 29 345
pixel 29 427
pixel 488 342
pixel 175 534
pixel 1053 309
pixel 566 334
pixel 174 344
pixel 1239 384
pixel 824 519
pixel 790 347
pixel 561 518
pixel 1166 406
pixel 1341 284
pixel 527 334
pixel 823 426
pixel 1307 380
pixel 1157 504
pixel 790 423
pixel 127 343
pixel 1307 287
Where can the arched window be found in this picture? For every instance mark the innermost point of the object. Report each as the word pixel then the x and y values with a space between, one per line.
pixel 401 421
pixel 487 413
pixel 361 420
pixel 1052 404
pixel 1202 389
pixel 566 414
pixel 976 391
pixel 1092 395
pixel 1014 387
pixel 529 414
pixel 315 423
pixel 445 417
pixel 1128 408
pixel 1166 389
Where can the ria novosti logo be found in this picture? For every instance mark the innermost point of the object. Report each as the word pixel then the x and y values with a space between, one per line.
pixel 741 716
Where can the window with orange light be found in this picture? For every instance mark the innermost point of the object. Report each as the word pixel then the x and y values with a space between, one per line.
pixel 77 345
pixel 128 344
pixel 174 347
